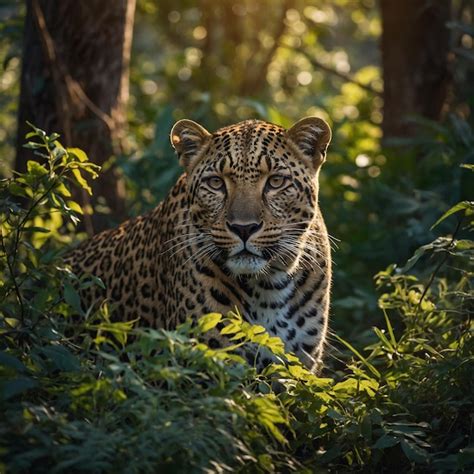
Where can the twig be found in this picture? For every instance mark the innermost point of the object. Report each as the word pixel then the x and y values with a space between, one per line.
pixel 15 283
pixel 438 267
pixel 27 215
pixel 16 243
pixel 33 206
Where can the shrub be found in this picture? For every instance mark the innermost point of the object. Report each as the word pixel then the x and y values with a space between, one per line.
pixel 77 395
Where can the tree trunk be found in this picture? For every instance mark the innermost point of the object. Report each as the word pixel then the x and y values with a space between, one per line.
pixel 415 50
pixel 74 81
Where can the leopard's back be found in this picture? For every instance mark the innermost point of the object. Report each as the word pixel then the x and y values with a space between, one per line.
pixel 119 257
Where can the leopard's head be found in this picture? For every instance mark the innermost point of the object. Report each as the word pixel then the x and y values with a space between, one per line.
pixel 253 190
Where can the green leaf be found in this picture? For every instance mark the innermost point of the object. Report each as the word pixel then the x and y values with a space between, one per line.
pixel 230 328
pixel 413 452
pixel 335 415
pixel 17 190
pixel 390 329
pixel 366 427
pixel 460 206
pixel 384 339
pixel 386 441
pixel 35 168
pixel 92 280
pixel 74 206
pixel 464 27
pixel 360 356
pixel 81 181
pixel 14 387
pixel 268 414
pixel 63 190
pixel 331 454
pixel 88 167
pixel 72 298
pixel 7 360
pixel 33 228
pixel 349 302
pixel 36 131
pixel 58 152
pixel 209 321
pixel 79 154
pixel 61 358
pixel 419 252
pixel 464 244
pixel 33 145
pixel 54 136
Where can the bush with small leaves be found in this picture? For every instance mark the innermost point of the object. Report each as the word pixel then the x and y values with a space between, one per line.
pixel 78 395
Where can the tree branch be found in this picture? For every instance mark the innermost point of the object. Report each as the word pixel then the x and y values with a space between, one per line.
pixel 255 83
pixel 341 75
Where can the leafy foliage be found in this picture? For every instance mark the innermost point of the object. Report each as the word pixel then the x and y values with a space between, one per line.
pixel 79 395
pixel 33 208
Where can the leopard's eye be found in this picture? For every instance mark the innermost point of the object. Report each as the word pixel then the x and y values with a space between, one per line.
pixel 216 183
pixel 276 181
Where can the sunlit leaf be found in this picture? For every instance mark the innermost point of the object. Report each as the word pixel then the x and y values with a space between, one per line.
pixel 35 169
pixel 81 181
pixel 74 206
pixel 460 206
pixel 360 356
pixel 78 153
pixel 209 321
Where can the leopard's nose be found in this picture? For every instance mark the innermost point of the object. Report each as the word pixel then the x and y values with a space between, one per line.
pixel 244 231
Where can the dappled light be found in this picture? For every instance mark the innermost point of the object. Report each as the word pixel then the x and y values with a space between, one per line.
pixel 170 298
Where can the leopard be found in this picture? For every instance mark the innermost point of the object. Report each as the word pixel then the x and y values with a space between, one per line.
pixel 241 230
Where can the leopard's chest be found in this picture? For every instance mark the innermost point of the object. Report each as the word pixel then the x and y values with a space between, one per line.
pixel 272 306
pixel 283 307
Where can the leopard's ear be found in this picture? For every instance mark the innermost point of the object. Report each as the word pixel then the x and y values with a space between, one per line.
pixel 311 135
pixel 188 139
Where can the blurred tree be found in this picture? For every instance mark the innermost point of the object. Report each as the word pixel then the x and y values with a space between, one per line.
pixel 415 61
pixel 227 46
pixel 244 26
pixel 75 81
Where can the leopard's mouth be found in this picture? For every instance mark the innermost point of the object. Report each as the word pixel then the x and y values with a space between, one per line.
pixel 245 253
pixel 246 262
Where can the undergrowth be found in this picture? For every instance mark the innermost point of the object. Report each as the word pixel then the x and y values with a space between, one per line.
pixel 79 394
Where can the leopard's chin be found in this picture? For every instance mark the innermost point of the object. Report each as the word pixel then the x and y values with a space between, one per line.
pixel 246 263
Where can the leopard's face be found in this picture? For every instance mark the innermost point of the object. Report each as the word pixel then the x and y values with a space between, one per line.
pixel 253 190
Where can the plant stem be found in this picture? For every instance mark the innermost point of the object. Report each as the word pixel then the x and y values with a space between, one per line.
pixel 15 283
pixel 438 267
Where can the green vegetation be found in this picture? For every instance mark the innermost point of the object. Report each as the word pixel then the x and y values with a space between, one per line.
pixel 82 393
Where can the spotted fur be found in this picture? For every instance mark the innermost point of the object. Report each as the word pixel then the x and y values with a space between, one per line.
pixel 241 228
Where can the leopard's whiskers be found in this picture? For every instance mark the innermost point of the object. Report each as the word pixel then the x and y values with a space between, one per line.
pixel 180 246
